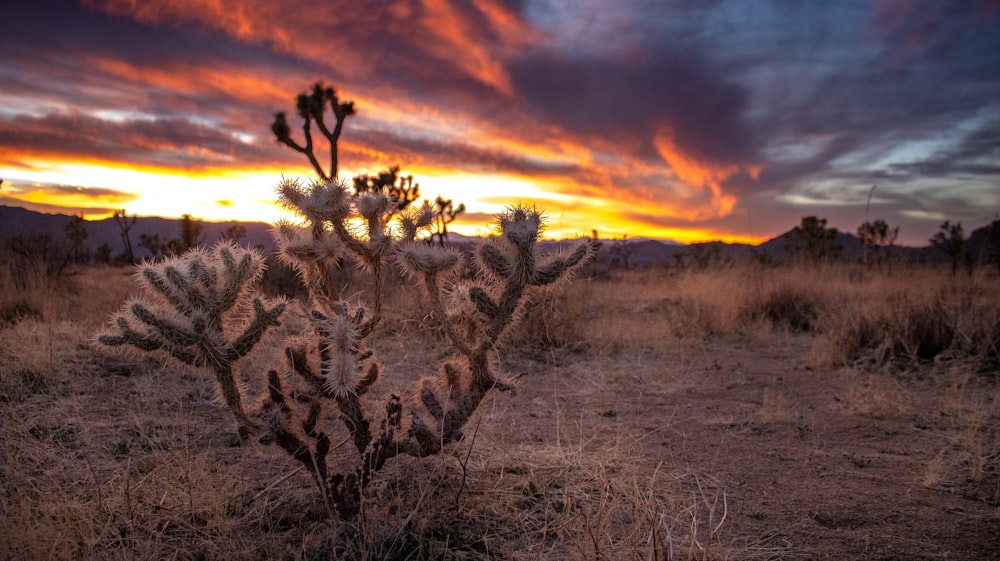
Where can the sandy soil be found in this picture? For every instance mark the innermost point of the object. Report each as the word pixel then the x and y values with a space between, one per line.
pixel 814 464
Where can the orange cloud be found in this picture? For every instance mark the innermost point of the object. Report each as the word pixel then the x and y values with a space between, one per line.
pixel 91 202
pixel 453 32
pixel 191 80
pixel 454 39
pixel 701 175
pixel 510 28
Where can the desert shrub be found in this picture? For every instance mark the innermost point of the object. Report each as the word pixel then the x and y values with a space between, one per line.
pixel 785 306
pixel 33 270
pixel 901 330
pixel 919 330
pixel 850 336
pixel 16 309
pixel 35 259
pixel 908 324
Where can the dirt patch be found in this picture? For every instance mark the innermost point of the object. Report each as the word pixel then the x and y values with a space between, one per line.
pixel 815 464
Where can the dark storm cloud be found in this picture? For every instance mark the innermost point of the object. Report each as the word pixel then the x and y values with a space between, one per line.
pixel 68 28
pixel 628 104
pixel 61 58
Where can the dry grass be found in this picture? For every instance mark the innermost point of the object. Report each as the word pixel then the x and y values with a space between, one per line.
pixel 855 317
pixel 595 457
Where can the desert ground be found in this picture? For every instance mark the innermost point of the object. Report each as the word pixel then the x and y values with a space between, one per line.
pixel 829 412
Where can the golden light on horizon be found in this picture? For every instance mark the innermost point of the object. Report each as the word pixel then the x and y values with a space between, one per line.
pixel 249 196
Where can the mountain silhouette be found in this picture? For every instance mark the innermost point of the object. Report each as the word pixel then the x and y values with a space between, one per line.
pixel 640 252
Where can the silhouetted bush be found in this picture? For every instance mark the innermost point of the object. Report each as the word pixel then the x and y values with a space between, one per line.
pixel 34 259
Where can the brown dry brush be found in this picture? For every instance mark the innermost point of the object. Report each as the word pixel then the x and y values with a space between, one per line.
pixel 204 312
pixel 903 329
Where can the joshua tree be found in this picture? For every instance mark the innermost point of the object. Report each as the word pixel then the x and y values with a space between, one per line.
pixel 993 243
pixel 877 237
pixel 951 240
pixel 76 233
pixel 154 244
pixel 190 238
pixel 312 108
pixel 445 213
pixel 400 189
pixel 125 225
pixel 201 311
pixel 103 254
pixel 812 242
pixel 234 233
pixel 621 251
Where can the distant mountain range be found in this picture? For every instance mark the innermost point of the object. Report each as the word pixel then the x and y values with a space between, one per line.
pixel 639 252
pixel 20 221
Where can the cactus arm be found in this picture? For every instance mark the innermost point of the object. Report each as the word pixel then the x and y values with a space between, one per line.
pixel 495 261
pixel 157 282
pixel 365 383
pixel 483 302
pixel 431 402
pixel 263 319
pixel 192 299
pixel 184 355
pixel 300 365
pixel 558 267
pixel 239 274
pixel 280 434
pixel 170 332
pixel 131 337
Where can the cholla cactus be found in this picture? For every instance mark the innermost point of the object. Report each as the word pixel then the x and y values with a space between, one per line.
pixel 197 312
pixel 474 316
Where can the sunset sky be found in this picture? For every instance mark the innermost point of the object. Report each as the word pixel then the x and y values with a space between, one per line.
pixel 683 119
